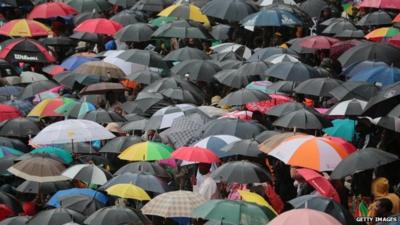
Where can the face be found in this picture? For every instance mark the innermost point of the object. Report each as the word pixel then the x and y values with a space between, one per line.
pixel 379 210
pixel 204 168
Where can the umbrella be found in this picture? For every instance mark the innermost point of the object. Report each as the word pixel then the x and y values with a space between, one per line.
pixel 317 86
pixel 320 183
pixel 341 47
pixel 304 217
pixel 58 216
pixel 231 10
pixel 100 88
pixel 377 18
pixel 144 57
pixel 382 33
pixel 179 95
pixel 324 204
pixel 58 152
pixel 17 3
pixel 118 144
pixel 13 143
pixel 25 50
pixel 6 152
pixel 146 106
pixel 197 70
pixel 216 143
pixel 144 77
pixel 313 7
pixel 292 71
pixel 256 198
pixel 231 78
pixel 10 202
pixel 51 10
pixel 302 119
pixel 24 28
pixel 260 85
pixel 102 116
pixel 244 96
pixel 352 107
pixel 126 17
pixel 16 220
pixel 123 3
pixel 271 18
pixel 128 191
pixel 71 130
pixel 343 128
pixel 220 32
pixel 144 180
pixel 30 77
pixel 173 204
pixel 388 122
pixel 381 4
pixel 8 112
pixel 138 32
pixel 85 205
pixel 146 151
pixel 361 160
pixel 242 172
pixel 383 102
pixel 243 115
pixel 265 136
pixel 247 148
pixel 99 26
pixel 384 75
pixel 75 110
pixel 230 47
pixel 265 53
pixel 182 29
pixel 145 167
pixel 318 42
pixel 11 90
pixel 186 53
pixel 24 107
pixel 90 5
pixel 295 151
pixel 185 11
pixel 354 89
pixel 73 62
pixel 278 58
pixel 338 27
pixel 253 69
pixel 85 36
pixel 152 5
pixel 235 127
pixel 86 192
pixel 351 34
pixel 116 215
pixel 195 154
pixel 47 107
pixel 285 108
pixel 39 169
pixel 101 69
pixel 135 125
pixel 87 173
pixel 53 70
pixel 33 187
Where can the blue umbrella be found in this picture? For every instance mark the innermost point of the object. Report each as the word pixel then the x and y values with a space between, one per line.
pixel 356 68
pixel 343 128
pixel 384 74
pixel 74 62
pixel 271 18
pixel 55 199
pixel 11 90
pixel 24 106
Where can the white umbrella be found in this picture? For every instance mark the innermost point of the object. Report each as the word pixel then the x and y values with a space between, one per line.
pixel 278 58
pixel 270 2
pixel 88 173
pixel 68 131
pixel 239 49
pixel 127 67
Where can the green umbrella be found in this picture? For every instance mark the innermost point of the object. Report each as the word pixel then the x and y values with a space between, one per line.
pixel 159 21
pixel 343 128
pixel 65 155
pixel 234 212
pixel 6 152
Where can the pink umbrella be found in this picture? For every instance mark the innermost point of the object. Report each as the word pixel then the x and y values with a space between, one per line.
pixel 304 217
pixel 350 148
pixel 320 183
pixel 264 106
pixel 243 115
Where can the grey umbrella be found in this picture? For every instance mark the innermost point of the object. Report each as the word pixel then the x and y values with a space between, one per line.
pixel 146 167
pixel 230 64
pixel 242 172
pixel 283 86
pixel 290 71
pixel 302 119
pixel 231 10
pixel 58 216
pixel 182 29
pixel 180 95
pixel 85 16
pixel 90 6
pixel 253 68
pixel 338 27
pixel 244 96
pixel 285 108
pixel 265 135
pixel 16 220
pixel 37 87
pixel 116 215
pixel 317 86
pixel 118 144
pixel 230 55
pixel 135 125
pixel 197 70
pixel 152 5
pixel 146 106
pixel 352 34
pixel 247 147
pixel 144 180
pixel 125 18
pixel 33 187
pixel 13 143
pixel 220 32
pixel 377 18
pixel 19 127
pixel 235 127
pixel 85 36
pixel 362 160
pixel 138 32
pixel 144 57
pixel 382 103
pixel 388 122
pixel 144 77
pixel 354 89
pixel 232 78
pixel 86 205
pixel 123 3
pixel 102 116
pixel 265 53
pixel 134 117
pixel 313 7
pixel 186 53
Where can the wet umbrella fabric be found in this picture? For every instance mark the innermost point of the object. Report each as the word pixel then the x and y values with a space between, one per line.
pixel 138 32
pixel 244 96
pixel 302 119
pixel 231 10
pixel 242 172
pixel 235 127
pixel 289 71
pixel 55 199
pixel 317 86
pixel 19 127
pixel 88 173
pixel 144 180
pixel 83 204
pixel 186 53
pixel 353 89
pixel 116 215
pixel 25 50
pixel 58 216
pixel 146 167
pixel 383 102
pixel 118 144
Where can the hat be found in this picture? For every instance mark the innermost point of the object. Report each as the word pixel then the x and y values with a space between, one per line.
pixel 115 128
pixel 215 100
pixel 278 34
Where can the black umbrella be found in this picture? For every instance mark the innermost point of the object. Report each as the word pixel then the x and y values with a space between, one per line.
pixel 180 95
pixel 33 187
pixel 138 32
pixel 16 220
pixel 144 57
pixel 374 51
pixel 186 53
pixel 146 106
pixel 85 36
pixel 265 53
pixel 295 45
pixel 6 163
pixel 116 215
pixel 86 205
pixel 144 77
pixel 283 86
pixel 362 160
pixel 123 3
pixel 247 147
pixel 182 29
pixel 354 89
pixel 14 143
pixel 17 3
pixel 85 16
pixel 36 87
pixel 230 55
pixel 313 7
pixel 265 135
pixel 382 103
pixel 253 68
pixel 338 27
pixel 232 78
pixel 377 18
pixel 146 167
pixel 58 216
pixel 125 18
pixel 388 122
pixel 285 108
pixel 302 119
pixel 234 127
pixel 131 117
pixel 58 41
pixel 352 107
pixel 231 10
pixel 292 71
pixel 144 180
pixel 351 34
pixel 25 50
pixel 118 144
pixel 326 205
pixel 152 5
pixel 19 127
pixel 230 64
pixel 135 125
pixel 80 148
pixel 244 96
pixel 242 172
pixel 11 202
pixel 317 86
pixel 220 32
pixel 197 70
pixel 102 116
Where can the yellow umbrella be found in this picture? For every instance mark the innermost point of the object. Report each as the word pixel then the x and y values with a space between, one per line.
pixel 255 198
pixel 185 11
pixel 146 151
pixel 128 191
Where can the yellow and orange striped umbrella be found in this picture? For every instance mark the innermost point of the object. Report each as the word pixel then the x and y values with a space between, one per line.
pixel 25 28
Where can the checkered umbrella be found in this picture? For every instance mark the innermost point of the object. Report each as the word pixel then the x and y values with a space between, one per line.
pixel 173 204
pixel 181 131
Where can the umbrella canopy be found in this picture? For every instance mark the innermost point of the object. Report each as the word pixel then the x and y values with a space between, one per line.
pixel 10 202
pixel 384 75
pixel 278 58
pixel 247 148
pixel 87 173
pixel 286 108
pixel 23 106
pixel 6 152
pixel 138 32
pixel 47 107
pixel 231 10
pixel 185 11
pixel 244 96
pixel 89 5
pixel 30 77
pixel 317 86
pixel 380 4
pixel 290 71
pixel 51 10
pixel 85 205
pixel 60 153
pixel 102 116
pixel 75 110
pixel 71 131
pixel 220 32
pixel 99 26
pixel 197 70
pixel 182 29
pixel 55 200
pixel 101 88
pixel 352 107
pixel 253 197
pixel 152 5
pixel 242 172
pixel 338 27
pixel 351 34
pixel 126 17
pixel 16 220
pixel 362 160
pixel 118 144
pixel 235 127
pixel 39 169
pixel 195 154
pixel 186 53
pixel 25 50
pixel 144 180
pixel 56 216
pixel 304 217
pixel 234 212
pixel 264 53
pixel 146 151
pixel 216 143
pixel 382 33
pixel 24 28
pixel 145 77
pixel 123 3
pixel 33 187
pixel 9 112
pixel 271 18
pixel 296 151
pixel 383 102
pixel 144 57
pixel 73 62
pixel 128 191
pixel 302 119
pixel 232 78
pixel 354 89
pixel 145 167
pixel 377 18
pixel 116 215
pixel 100 69
pixel 173 204
pixel 318 42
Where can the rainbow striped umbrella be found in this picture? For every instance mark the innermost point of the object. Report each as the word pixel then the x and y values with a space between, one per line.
pixel 47 107
pixel 146 151
pixel 382 33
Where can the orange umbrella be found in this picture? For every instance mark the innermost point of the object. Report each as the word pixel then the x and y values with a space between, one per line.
pixel 47 107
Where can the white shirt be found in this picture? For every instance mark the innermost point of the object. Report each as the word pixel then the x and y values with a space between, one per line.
pixel 207 188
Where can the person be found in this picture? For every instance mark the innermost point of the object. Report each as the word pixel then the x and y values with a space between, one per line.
pixel 152 135
pixel 383 209
pixel 206 187
pixel 300 183
pixel 380 189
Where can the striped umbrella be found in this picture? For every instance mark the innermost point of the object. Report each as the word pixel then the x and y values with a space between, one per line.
pixel 147 151
pixel 382 33
pixel 25 28
pixel 47 107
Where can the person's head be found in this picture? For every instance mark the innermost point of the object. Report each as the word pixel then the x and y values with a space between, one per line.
pixel 295 175
pixel 383 207
pixel 380 187
pixel 327 12
pixel 204 168
pixel 363 125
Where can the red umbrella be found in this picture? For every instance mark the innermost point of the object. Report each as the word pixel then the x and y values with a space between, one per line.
pixel 381 4
pixel 320 183
pixel 53 70
pixel 350 148
pixel 99 26
pixel 318 42
pixel 264 106
pixel 5 212
pixel 395 41
pixel 8 112
pixel 340 47
pixel 396 19
pixel 51 10
pixel 25 50
pixel 195 154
